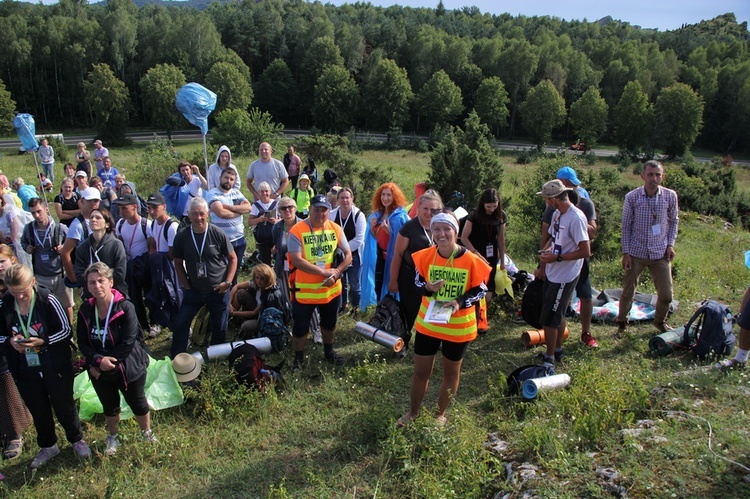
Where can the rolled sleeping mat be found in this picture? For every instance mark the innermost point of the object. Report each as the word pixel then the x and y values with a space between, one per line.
pixel 380 336
pixel 663 344
pixel 536 337
pixel 532 387
pixel 199 356
pixel 224 349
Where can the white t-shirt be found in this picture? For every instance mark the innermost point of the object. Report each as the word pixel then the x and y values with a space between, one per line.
pixel 196 190
pixel 568 230
pixel 155 230
pixel 75 231
pixel 135 242
pixel 255 212
pixel 232 227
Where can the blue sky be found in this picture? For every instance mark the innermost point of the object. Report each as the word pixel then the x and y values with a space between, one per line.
pixel 661 14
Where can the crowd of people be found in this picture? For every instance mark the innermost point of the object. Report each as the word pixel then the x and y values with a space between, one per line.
pixel 317 251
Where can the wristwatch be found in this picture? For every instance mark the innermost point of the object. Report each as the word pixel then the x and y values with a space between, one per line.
pixel 228 283
pixel 559 258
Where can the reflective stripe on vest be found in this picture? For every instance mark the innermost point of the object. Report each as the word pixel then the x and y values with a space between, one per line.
pixel 317 246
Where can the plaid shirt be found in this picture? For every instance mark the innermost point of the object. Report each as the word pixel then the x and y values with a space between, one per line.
pixel 649 224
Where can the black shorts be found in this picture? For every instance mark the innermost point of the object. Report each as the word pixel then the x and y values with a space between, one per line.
pixel 108 391
pixel 303 312
pixel 428 346
pixel 583 288
pixel 744 319
pixel 555 302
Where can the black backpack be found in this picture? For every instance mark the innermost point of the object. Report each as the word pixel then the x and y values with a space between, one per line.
pixel 516 378
pixel 263 231
pixel 713 323
pixel 250 368
pixel 531 305
pixel 389 316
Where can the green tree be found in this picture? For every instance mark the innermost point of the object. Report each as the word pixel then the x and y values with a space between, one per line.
pixel 633 119
pixel 335 101
pixel 464 161
pixel 232 89
pixel 276 92
pixel 588 117
pixel 387 95
pixel 542 111
pixel 439 100
pixel 491 102
pixel 245 130
pixel 159 87
pixel 516 65
pixel 109 101
pixel 679 111
pixel 7 110
pixel 323 52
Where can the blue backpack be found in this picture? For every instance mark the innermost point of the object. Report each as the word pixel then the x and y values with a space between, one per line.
pixel 713 321
pixel 177 193
pixel 272 324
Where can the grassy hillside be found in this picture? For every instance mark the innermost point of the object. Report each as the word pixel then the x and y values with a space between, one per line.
pixel 630 424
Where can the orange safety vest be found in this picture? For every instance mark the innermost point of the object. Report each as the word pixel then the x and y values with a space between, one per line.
pixel 461 274
pixel 318 248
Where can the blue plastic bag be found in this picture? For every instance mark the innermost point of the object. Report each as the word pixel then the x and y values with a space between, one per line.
pixel 747 259
pixel 26 130
pixel 196 102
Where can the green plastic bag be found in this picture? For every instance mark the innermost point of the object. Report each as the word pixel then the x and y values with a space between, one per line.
pixel 162 391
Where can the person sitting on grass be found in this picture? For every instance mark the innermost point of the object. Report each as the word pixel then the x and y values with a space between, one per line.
pixel 248 299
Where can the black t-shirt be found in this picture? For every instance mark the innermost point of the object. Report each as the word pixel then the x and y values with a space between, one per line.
pixel 484 233
pixel 215 254
pixel 418 237
pixel 67 204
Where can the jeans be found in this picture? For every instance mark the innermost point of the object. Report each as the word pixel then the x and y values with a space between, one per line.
pixel 49 171
pixel 240 245
pixel 192 301
pixel 351 292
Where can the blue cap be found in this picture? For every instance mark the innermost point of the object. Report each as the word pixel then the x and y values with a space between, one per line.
pixel 567 173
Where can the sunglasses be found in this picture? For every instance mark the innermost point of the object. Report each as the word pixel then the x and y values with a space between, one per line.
pixel 286 208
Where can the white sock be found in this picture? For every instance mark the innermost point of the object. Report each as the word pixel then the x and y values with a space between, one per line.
pixel 742 355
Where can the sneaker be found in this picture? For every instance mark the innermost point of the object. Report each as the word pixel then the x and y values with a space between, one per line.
pixel 154 331
pixel 727 364
pixel 44 456
pixel 589 340
pixel 622 328
pixel 335 359
pixel 82 450
pixel 148 436
pixel 663 327
pixel 111 445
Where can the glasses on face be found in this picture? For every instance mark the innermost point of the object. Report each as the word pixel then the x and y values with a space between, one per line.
pixel 435 211
pixel 286 208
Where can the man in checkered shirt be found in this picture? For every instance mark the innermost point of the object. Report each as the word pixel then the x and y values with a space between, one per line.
pixel 649 230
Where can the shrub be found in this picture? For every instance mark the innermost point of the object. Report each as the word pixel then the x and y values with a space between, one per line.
pixel 246 130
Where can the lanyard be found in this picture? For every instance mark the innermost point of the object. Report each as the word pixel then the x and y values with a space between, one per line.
pixel 449 260
pixel 343 225
pixel 653 205
pixel 319 247
pixel 26 327
pixel 103 331
pixel 427 233
pixel 203 244
pixel 46 234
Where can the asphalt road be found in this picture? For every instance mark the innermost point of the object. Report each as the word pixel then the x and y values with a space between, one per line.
pixel 187 135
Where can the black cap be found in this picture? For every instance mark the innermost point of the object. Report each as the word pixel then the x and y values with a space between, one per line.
pixel 320 200
pixel 156 199
pixel 126 199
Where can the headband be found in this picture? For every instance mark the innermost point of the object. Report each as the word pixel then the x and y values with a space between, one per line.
pixel 446 219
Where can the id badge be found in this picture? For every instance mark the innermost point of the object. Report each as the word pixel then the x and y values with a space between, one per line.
pixel 489 251
pixel 286 265
pixel 656 230
pixel 32 358
pixel 320 263
pixel 202 271
pixel 45 257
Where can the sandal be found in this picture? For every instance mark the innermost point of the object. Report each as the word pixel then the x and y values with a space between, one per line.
pixel 441 421
pixel 13 449
pixel 404 420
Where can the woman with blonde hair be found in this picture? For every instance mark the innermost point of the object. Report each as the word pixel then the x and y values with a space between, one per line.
pixel 389 214
pixel 39 357
pixel 248 299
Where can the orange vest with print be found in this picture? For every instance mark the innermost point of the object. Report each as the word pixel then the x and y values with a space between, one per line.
pixel 461 274
pixel 318 248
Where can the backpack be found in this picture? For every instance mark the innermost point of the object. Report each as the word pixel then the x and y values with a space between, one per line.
pixel 118 228
pixel 531 304
pixel 201 331
pixel 272 325
pixel 250 368
pixel 165 228
pixel 516 378
pixel 143 207
pixel 262 231
pixel 389 316
pixel 176 193
pixel 713 322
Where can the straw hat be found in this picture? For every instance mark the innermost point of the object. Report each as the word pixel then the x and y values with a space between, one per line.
pixel 186 367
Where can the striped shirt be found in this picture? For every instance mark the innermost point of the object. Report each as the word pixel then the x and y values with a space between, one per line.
pixel 649 224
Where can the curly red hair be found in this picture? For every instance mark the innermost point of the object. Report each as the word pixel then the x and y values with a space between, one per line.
pixel 398 197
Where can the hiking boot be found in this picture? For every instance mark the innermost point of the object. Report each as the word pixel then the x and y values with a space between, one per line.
pixel 148 436
pixel 663 327
pixel 82 450
pixel 622 328
pixel 589 340
pixel 44 456
pixel 112 444
pixel 729 364
pixel 154 331
pixel 335 359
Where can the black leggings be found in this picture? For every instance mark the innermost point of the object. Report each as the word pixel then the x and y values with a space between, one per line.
pixel 108 391
pixel 379 273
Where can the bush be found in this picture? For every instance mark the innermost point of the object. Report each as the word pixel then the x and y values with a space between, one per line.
pixel 246 130
pixel 159 160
